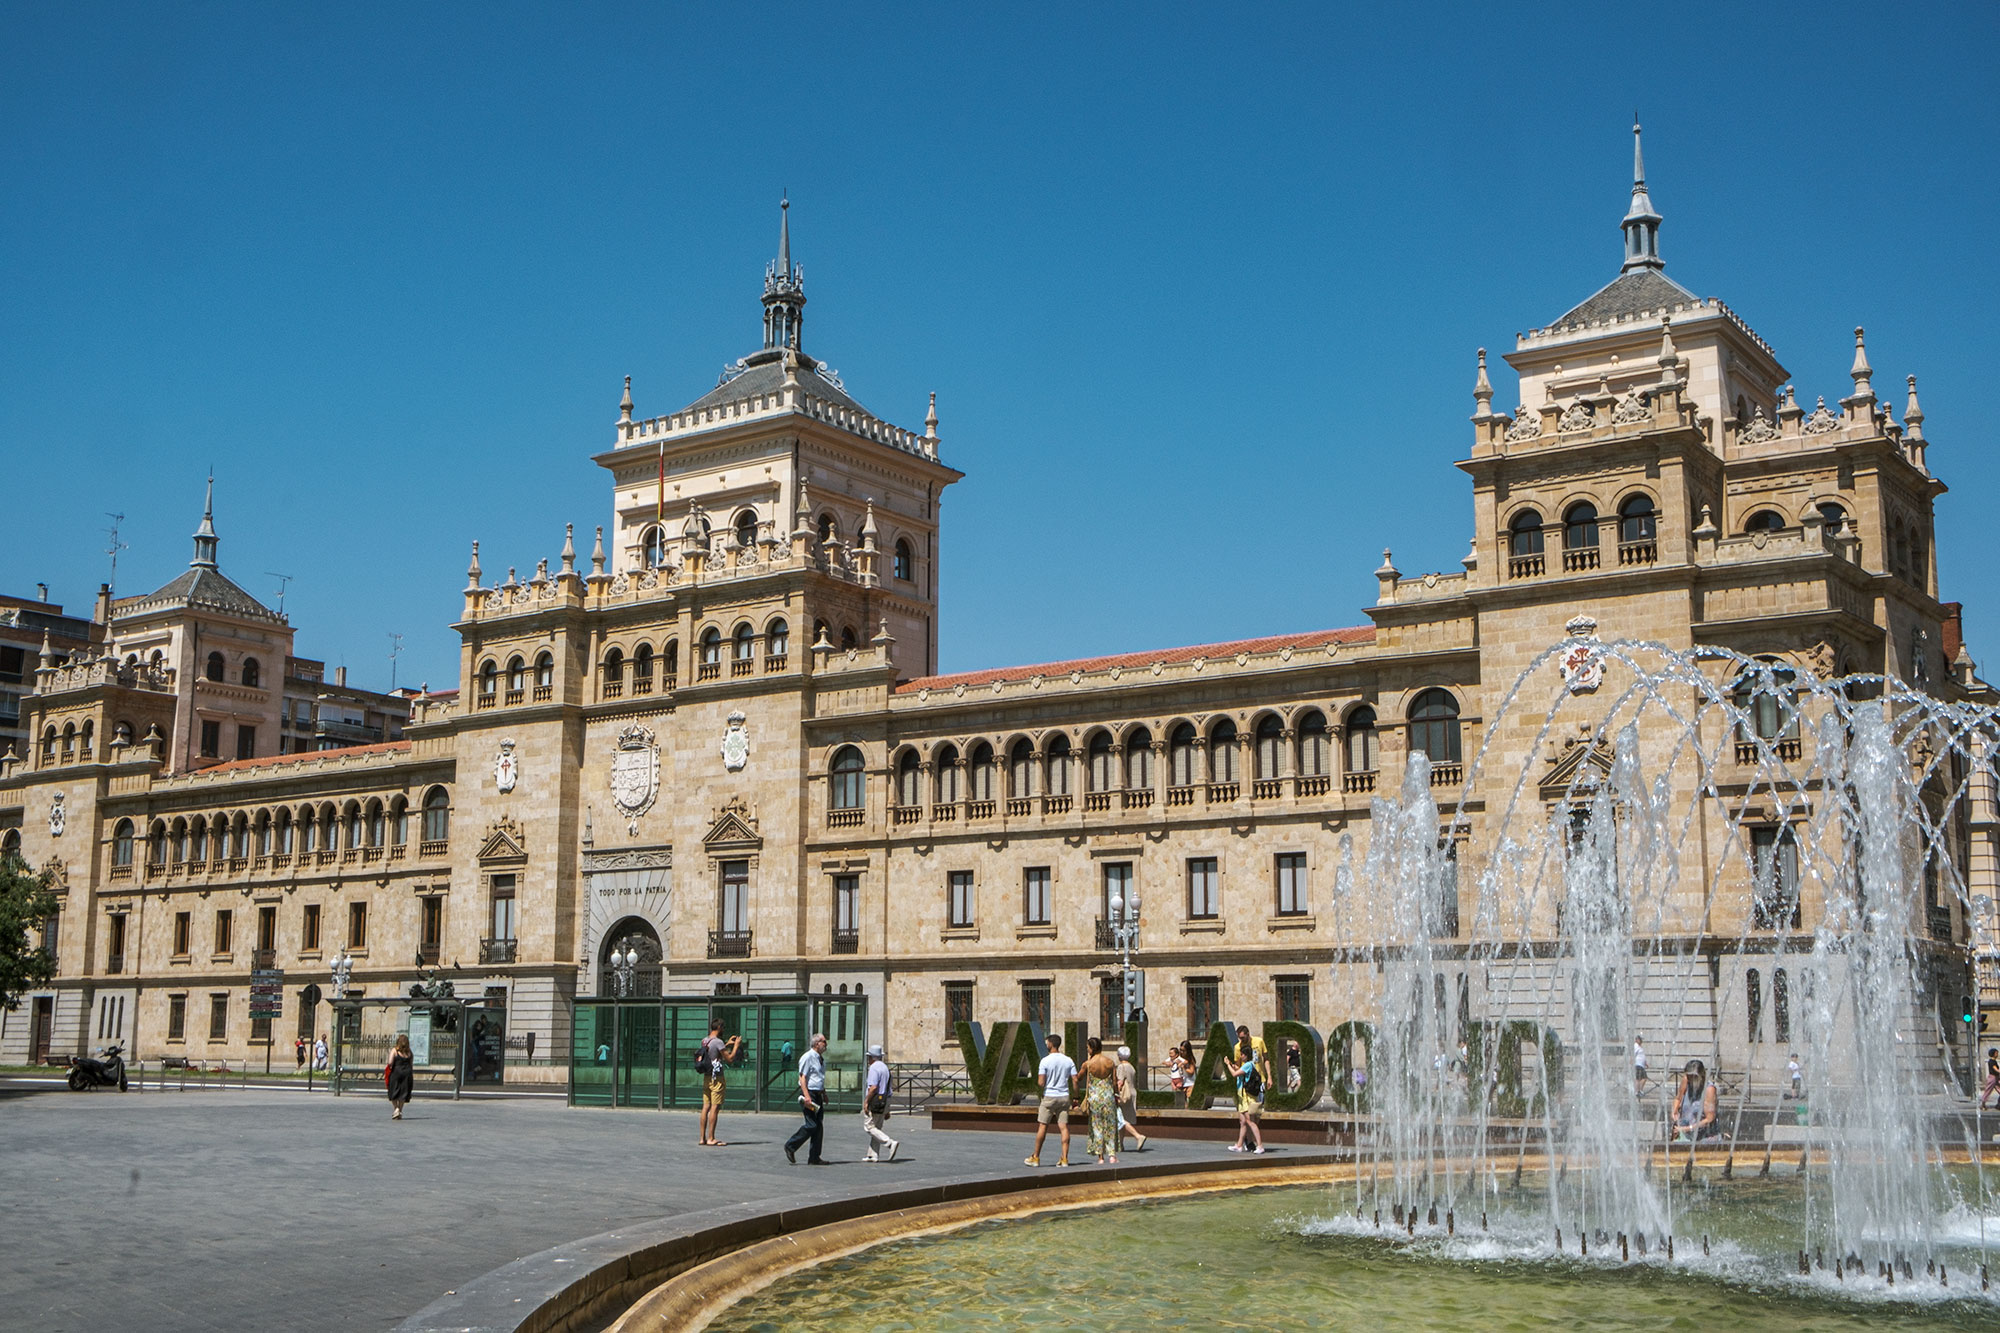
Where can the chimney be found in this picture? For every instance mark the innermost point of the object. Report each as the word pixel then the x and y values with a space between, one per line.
pixel 43 589
pixel 102 613
pixel 340 676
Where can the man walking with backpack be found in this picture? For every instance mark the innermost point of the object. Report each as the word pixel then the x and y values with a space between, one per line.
pixel 710 1060
pixel 875 1107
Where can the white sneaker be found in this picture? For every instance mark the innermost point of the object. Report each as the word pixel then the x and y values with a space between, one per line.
pixel 869 1158
pixel 893 1145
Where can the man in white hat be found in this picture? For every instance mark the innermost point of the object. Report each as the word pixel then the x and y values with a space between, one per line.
pixel 875 1107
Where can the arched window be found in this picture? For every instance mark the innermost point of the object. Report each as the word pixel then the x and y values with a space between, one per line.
pixel 399 822
pixel 264 833
pixel 1059 764
pixel 308 831
pixel 777 639
pixel 1834 518
pixel 1098 756
pixel 1524 534
pixel 1434 726
pixel 1314 743
pixel 198 839
pixel 1753 1006
pixel 746 528
pixel 1781 1006
pixel 86 748
pixel 642 669
pixel 437 815
pixel 545 672
pixel 121 844
pixel 1764 520
pixel 1580 527
pixel 848 640
pixel 1181 771
pixel 1768 704
pixel 849 786
pixel 69 742
pixel 242 830
pixel 711 647
pixel 215 667
pixel 611 680
pixel 653 548
pixel 374 824
pixel 250 672
pixel 1021 769
pixel 1270 747
pixel 517 679
pixel 909 779
pixel 948 775
pixel 1139 759
pixel 829 528
pixel 979 773
pixel 1637 521
pixel 670 663
pixel 351 826
pixel 282 837
pixel 901 564
pixel 48 745
pixel 10 845
pixel 1222 751
pixel 489 680
pixel 745 644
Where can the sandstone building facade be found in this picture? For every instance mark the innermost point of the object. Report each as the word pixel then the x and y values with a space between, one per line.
pixel 719 739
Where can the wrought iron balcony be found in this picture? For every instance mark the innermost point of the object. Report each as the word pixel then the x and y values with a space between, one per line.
pixel 847 941
pixel 728 944
pixel 498 951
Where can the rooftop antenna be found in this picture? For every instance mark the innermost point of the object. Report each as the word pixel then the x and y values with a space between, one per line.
pixel 115 547
pixel 283 580
pixel 395 651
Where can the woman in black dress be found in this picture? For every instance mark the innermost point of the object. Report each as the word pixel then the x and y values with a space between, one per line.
pixel 400 1075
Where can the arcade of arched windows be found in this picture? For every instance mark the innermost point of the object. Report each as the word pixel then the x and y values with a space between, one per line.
pixel 351 831
pixel 1577 528
pixel 1272 755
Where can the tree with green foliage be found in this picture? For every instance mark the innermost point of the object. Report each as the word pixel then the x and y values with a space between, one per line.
pixel 27 901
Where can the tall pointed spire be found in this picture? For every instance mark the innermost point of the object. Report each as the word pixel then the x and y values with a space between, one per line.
pixel 1482 392
pixel 1913 415
pixel 1641 224
pixel 784 289
pixel 204 536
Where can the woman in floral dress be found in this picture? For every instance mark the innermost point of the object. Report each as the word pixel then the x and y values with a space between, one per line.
pixel 1101 1098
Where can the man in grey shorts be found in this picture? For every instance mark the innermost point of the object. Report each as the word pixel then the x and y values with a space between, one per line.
pixel 1056 1074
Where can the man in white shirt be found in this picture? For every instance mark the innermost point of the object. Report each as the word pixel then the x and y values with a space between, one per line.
pixel 1638 1065
pixel 812 1102
pixel 1056 1074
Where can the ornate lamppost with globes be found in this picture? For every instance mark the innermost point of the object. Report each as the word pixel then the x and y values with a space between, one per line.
pixel 1125 937
pixel 624 965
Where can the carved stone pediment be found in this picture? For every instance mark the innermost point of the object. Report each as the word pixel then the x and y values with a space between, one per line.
pixel 1578 772
pixel 734 829
pixel 503 842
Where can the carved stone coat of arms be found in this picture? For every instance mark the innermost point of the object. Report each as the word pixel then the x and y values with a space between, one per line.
pixel 635 770
pixel 735 744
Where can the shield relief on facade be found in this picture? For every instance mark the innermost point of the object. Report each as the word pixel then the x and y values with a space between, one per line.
pixel 635 770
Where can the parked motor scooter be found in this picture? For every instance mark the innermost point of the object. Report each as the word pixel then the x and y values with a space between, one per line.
pixel 107 1071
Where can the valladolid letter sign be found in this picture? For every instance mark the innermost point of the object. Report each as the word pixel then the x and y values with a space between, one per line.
pixel 635 773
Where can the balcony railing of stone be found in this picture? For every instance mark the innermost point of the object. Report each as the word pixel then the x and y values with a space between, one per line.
pixel 396 851
pixel 1135 798
pixel 945 812
pixel 1318 784
pixel 728 944
pixel 484 699
pixel 1639 553
pixel 237 863
pixel 846 941
pixel 430 847
pixel 1784 748
pixel 370 854
pixel 774 662
pixel 77 675
pixel 1019 807
pixel 1358 782
pixel 1525 566
pixel 1096 800
pixel 1057 805
pixel 1579 558
pixel 498 951
pixel 1220 793
pixel 906 814
pixel 544 693
pixel 1180 796
pixel 514 697
pixel 610 689
pixel 121 872
pixel 642 685
pixel 793 397
pixel 742 666
pixel 1267 789
pixel 846 818
pixel 1447 775
pixel 708 671
pixel 978 810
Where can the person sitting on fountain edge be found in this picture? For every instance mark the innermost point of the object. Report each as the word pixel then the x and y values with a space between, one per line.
pixel 1694 1105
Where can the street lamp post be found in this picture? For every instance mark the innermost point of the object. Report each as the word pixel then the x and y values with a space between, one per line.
pixel 624 962
pixel 1125 935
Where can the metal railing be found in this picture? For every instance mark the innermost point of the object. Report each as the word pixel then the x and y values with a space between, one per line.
pixel 498 951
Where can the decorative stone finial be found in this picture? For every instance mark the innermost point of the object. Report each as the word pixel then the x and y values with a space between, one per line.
pixel 569 548
pixel 930 418
pixel 625 404
pixel 868 529
pixel 1388 569
pixel 472 570
pixel 1482 392
pixel 1670 360
pixel 597 554
pixel 1913 415
pixel 1862 371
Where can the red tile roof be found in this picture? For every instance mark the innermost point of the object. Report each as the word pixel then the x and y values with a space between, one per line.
pixel 1270 644
pixel 270 760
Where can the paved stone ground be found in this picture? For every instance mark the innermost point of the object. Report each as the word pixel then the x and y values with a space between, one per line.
pixel 277 1210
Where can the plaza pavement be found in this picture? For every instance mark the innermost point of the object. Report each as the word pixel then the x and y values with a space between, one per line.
pixel 254 1210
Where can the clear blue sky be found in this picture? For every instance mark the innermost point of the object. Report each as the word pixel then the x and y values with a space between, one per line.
pixel 1198 290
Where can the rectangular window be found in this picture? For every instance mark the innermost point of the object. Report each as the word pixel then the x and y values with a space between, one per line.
pixel 52 934
pixel 1292 896
pixel 211 740
pixel 183 933
pixel 218 1017
pixel 1111 1009
pixel 177 1017
pixel 958 900
pixel 246 742
pixel 309 930
pixel 1294 999
pixel 116 942
pixel 225 931
pixel 306 1016
pixel 1117 884
pixel 267 929
pixel 1204 1005
pixel 1774 860
pixel 957 1007
pixel 846 907
pixel 260 1028
pixel 735 897
pixel 1035 896
pixel 1204 889
pixel 357 925
pixel 1035 1006
pixel 505 923
pixel 431 928
pixel 13 663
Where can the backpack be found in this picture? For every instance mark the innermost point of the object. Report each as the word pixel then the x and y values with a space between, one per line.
pixel 704 1064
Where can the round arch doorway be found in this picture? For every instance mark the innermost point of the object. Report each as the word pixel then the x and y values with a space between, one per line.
pixel 629 961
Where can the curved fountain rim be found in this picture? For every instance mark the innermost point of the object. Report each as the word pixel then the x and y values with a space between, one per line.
pixel 587 1282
